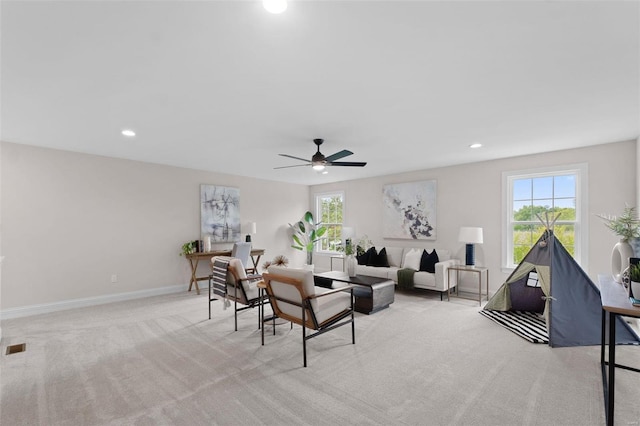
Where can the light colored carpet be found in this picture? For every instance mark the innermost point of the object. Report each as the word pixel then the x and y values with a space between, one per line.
pixel 159 361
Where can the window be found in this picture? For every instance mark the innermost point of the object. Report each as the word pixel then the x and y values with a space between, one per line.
pixel 329 211
pixel 543 194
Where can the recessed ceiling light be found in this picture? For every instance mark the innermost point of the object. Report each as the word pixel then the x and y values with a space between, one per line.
pixel 275 6
pixel 475 145
pixel 128 132
pixel 325 172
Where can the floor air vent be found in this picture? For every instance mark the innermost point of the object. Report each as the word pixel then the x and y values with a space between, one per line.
pixel 14 349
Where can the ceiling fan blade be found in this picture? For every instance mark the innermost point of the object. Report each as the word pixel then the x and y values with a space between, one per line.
pixel 297 165
pixel 295 158
pixel 339 155
pixel 347 163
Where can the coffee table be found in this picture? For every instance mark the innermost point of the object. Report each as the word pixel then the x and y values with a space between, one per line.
pixel 371 293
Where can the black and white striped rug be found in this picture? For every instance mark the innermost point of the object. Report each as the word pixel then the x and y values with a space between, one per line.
pixel 528 325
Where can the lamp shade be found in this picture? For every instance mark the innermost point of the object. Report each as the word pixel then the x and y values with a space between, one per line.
pixel 249 228
pixel 470 235
pixel 347 232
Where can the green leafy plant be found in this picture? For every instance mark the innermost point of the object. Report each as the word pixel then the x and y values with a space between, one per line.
pixel 634 273
pixel 305 234
pixel 188 248
pixel 627 225
pixel 348 247
pixel 364 244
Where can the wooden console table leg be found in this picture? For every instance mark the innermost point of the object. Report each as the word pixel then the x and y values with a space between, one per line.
pixel 255 263
pixel 194 280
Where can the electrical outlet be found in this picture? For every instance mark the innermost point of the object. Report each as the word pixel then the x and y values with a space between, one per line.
pixel 114 278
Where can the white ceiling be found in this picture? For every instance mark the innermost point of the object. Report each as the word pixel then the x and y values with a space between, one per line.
pixel 226 86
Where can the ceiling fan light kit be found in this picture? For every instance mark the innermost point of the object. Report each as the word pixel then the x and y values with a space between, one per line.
pixel 318 162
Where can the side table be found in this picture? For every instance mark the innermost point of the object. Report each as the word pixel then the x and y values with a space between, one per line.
pixel 332 258
pixel 480 270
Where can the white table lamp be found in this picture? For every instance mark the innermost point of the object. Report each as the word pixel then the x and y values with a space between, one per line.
pixel 251 229
pixel 470 236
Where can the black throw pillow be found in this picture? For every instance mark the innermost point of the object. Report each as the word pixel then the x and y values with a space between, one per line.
pixel 373 256
pixel 428 261
pixel 363 259
pixel 381 259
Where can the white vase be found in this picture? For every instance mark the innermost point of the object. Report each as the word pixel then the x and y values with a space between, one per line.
pixel 351 265
pixel 620 255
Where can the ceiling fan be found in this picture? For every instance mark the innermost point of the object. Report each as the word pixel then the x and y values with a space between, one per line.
pixel 319 161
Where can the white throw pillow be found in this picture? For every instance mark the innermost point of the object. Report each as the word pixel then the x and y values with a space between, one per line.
pixel 412 259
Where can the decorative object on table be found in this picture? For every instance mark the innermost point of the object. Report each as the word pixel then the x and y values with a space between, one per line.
pixel 347 233
pixel 306 233
pixel 188 248
pixel 470 236
pixel 220 213
pixel 409 210
pixel 634 278
pixel 250 230
pixel 279 260
pixel 350 260
pixel 363 245
pixel 626 226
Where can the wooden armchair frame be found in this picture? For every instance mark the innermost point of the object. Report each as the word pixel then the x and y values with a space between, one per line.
pixel 308 318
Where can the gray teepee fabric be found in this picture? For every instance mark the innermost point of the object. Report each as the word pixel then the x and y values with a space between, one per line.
pixel 565 293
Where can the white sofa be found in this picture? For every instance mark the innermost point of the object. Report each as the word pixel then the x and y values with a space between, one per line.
pixel 396 256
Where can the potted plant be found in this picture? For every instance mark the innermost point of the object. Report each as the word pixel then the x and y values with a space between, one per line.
pixel 351 260
pixel 363 245
pixel 627 227
pixel 188 248
pixel 634 279
pixel 305 234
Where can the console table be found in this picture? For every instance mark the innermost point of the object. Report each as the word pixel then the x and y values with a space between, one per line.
pixel 615 301
pixel 194 258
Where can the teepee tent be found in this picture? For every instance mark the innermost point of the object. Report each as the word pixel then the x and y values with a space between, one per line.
pixel 550 282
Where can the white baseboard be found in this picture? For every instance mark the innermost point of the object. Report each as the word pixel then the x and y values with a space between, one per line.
pixel 45 308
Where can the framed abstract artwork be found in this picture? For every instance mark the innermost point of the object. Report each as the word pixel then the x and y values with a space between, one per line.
pixel 220 213
pixel 409 210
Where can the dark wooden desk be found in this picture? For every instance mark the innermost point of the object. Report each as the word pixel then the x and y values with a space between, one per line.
pixel 194 258
pixel 615 301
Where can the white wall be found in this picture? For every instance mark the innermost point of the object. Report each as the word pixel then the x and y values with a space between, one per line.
pixel 70 221
pixel 637 174
pixel 470 195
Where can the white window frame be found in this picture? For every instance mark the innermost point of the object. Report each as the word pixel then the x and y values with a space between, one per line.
pixel 318 214
pixel 581 224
